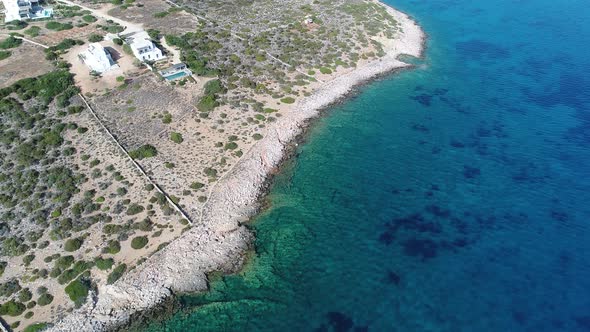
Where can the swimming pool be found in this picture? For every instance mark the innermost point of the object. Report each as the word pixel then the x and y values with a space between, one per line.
pixel 176 75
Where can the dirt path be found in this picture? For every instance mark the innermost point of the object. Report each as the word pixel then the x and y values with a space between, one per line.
pixel 129 27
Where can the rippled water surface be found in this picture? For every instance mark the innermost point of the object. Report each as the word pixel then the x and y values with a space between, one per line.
pixel 454 197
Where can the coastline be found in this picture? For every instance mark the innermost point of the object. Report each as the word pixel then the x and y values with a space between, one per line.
pixel 219 241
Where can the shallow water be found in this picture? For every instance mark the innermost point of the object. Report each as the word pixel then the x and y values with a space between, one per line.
pixel 453 197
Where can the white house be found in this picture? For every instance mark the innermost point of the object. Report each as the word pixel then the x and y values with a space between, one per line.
pixel 143 48
pixel 24 10
pixel 97 58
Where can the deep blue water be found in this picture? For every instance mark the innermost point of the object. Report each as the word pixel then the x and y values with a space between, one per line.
pixel 454 197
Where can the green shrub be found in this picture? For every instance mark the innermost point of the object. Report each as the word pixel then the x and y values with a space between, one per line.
pixel 53 25
pixel 2 267
pixel 5 54
pixel 196 185
pixel 176 137
pixel 32 31
pixel 28 259
pixel 325 70
pixel 36 327
pixel 257 136
pixel 207 103
pixel 161 14
pixel 139 242
pixel 231 146
pixel 118 41
pixel 77 290
pixel 12 308
pixel 29 314
pixel 134 209
pixel 116 274
pixel 10 42
pixel 95 38
pixel 25 295
pixel 69 274
pixel 214 87
pixel 64 262
pixel 89 18
pixel 45 299
pixel 73 244
pixel 144 151
pixel 288 100
pixel 113 247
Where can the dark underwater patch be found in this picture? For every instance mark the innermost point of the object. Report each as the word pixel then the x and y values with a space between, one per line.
pixel 438 211
pixel 393 278
pixel 477 49
pixel 339 321
pixel 424 99
pixel 424 248
pixel 583 322
pixel 470 172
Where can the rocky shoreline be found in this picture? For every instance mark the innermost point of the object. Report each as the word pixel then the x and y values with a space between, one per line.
pixel 219 240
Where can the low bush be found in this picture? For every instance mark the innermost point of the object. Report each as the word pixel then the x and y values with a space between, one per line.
pixel 144 151
pixel 176 137
pixel 113 247
pixel 116 274
pixel 288 100
pixel 134 209
pixel 12 308
pixel 73 244
pixel 95 38
pixel 5 54
pixel 139 242
pixel 45 299
pixel 10 42
pixel 77 290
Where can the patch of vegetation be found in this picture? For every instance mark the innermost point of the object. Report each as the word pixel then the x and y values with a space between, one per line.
pixel 5 54
pixel 113 247
pixel 196 185
pixel 57 26
pixel 103 263
pixel 288 100
pixel 12 308
pixel 144 151
pixel 89 18
pixel 176 137
pixel 139 242
pixel 45 299
pixel 77 290
pixel 116 274
pixel 95 38
pixel 10 42
pixel 73 244
pixel 36 327
pixel 134 209
pixel 32 31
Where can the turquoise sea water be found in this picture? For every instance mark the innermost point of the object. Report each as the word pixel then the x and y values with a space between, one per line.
pixel 454 197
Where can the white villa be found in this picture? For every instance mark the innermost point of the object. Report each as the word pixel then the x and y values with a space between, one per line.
pixel 24 10
pixel 97 58
pixel 143 48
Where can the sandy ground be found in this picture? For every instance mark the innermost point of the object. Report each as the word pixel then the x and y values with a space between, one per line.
pixel 108 80
pixel 26 60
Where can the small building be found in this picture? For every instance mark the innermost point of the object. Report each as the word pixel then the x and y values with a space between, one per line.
pixel 25 10
pixel 97 58
pixel 143 48
pixel 176 71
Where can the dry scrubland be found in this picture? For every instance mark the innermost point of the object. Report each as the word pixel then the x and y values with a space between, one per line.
pixel 75 214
